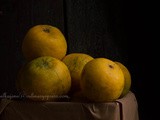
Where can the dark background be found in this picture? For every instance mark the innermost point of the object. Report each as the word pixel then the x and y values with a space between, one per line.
pixel 115 29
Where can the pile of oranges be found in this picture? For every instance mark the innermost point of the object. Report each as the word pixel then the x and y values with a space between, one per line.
pixel 50 73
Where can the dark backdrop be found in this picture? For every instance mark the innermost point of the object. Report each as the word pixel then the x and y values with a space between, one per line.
pixel 115 29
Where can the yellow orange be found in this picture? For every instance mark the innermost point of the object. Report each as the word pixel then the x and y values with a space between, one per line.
pixel 44 40
pixel 127 78
pixel 75 63
pixel 44 78
pixel 102 80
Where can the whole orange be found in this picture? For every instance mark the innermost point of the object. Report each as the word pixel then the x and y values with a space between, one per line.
pixel 44 78
pixel 75 63
pixel 44 40
pixel 102 80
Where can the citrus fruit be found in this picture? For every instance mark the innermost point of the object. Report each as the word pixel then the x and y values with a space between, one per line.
pixel 44 40
pixel 44 78
pixel 102 80
pixel 75 63
pixel 127 78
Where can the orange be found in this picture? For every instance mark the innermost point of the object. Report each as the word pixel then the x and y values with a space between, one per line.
pixel 102 80
pixel 75 63
pixel 127 78
pixel 44 78
pixel 44 40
